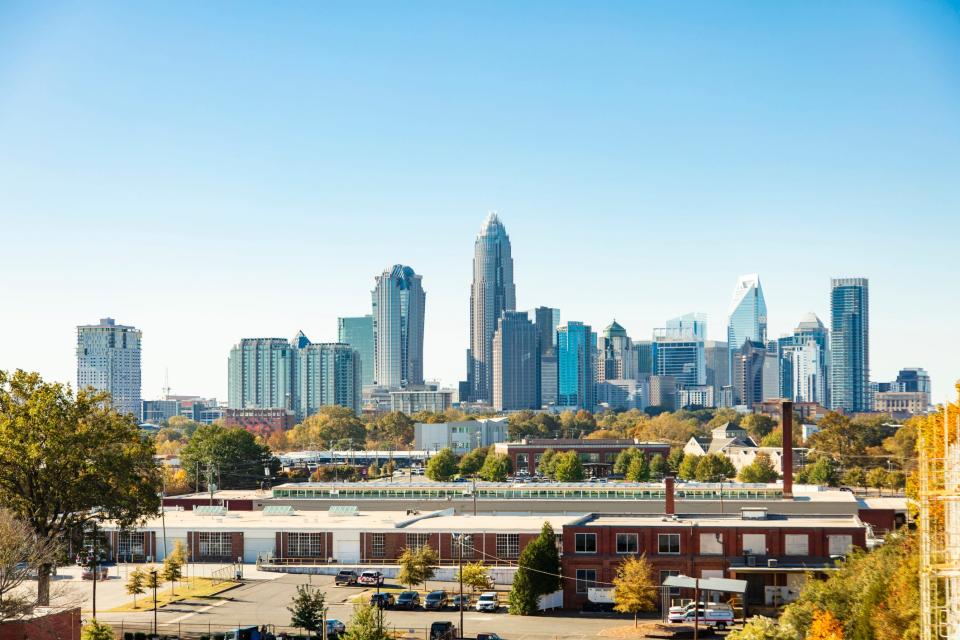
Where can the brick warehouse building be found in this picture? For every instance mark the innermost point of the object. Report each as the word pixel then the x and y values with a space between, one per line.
pixel 597 456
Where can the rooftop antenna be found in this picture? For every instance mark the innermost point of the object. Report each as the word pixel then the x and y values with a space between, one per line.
pixel 166 383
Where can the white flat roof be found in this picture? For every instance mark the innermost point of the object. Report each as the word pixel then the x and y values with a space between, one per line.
pixel 734 520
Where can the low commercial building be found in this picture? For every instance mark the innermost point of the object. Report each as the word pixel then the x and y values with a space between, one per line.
pixel 597 455
pixel 462 437
pixel 901 404
pixel 413 400
pixel 259 419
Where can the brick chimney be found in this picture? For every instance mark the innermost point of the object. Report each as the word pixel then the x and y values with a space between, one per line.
pixel 669 507
pixel 786 422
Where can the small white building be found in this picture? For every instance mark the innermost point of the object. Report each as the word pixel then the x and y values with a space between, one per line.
pixel 462 437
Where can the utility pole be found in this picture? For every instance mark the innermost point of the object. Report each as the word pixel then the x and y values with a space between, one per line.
pixel 94 568
pixel 153 573
pixel 696 608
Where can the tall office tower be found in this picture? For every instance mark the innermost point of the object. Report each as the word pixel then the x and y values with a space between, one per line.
pixel 690 325
pixel 576 371
pixel 679 355
pixel 914 380
pixel 516 363
pixel 850 344
pixel 717 358
pixel 108 359
pixel 260 374
pixel 326 374
pixel 547 320
pixel 616 359
pixel 491 293
pixel 748 315
pixel 747 380
pixel 358 333
pixel 548 378
pixel 663 392
pixel 809 330
pixel 643 356
pixel 771 372
pixel 399 303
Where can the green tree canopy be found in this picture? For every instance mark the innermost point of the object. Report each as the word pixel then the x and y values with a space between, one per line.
pixel 547 463
pixel 760 470
pixel 758 425
pixel 417 565
pixel 472 462
pixel 538 573
pixel 94 630
pixel 821 472
pixel 306 608
pixel 635 588
pixel 442 466
pixel 332 426
pixel 236 458
pixel 567 467
pixel 476 575
pixel 496 468
pixel 624 458
pixel 69 459
pixel 391 431
pixel 714 467
pixel 367 624
pixel 658 466
pixel 639 470
pixel 688 467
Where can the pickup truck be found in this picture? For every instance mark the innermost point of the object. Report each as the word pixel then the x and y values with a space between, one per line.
pixel 346 577
pixel 371 577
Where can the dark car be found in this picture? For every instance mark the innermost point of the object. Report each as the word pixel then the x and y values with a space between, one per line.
pixel 436 600
pixel 408 600
pixel 488 636
pixel 458 599
pixel 443 630
pixel 335 628
pixel 346 577
pixel 382 600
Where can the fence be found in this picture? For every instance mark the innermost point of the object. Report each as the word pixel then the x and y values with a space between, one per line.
pixel 126 630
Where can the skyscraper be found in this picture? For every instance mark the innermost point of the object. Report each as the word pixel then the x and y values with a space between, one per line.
pixel 108 359
pixel 260 374
pixel 914 379
pixel 804 361
pixel 616 356
pixel 491 293
pixel 326 374
pixel 748 314
pixel 680 356
pixel 850 344
pixel 358 333
pixel 748 370
pixel 547 320
pixel 399 303
pixel 717 357
pixel 516 363
pixel 576 371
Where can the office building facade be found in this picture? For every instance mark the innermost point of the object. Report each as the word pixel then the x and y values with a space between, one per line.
pixel 615 359
pixel 748 315
pixel 399 305
pixel 516 363
pixel 576 370
pixel 748 373
pixel 358 333
pixel 850 344
pixel 108 359
pixel 717 360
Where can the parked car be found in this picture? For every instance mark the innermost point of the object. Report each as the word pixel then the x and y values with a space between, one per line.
pixel 718 618
pixel 335 628
pixel 456 601
pixel 488 636
pixel 371 577
pixel 346 577
pixel 443 630
pixel 677 614
pixel 436 600
pixel 408 600
pixel 488 601
pixel 87 573
pixel 382 600
pixel 245 633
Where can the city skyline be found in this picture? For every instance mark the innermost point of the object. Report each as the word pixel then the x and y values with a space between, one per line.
pixel 815 167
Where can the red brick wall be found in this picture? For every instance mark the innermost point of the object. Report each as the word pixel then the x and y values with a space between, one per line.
pixel 64 625
pixel 187 504
pixel 883 520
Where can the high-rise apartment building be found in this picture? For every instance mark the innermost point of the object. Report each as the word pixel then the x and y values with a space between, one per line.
pixel 850 344
pixel 260 374
pixel 717 357
pixel 516 363
pixel 576 371
pixel 690 325
pixel 108 359
pixel 616 358
pixel 748 370
pixel 643 356
pixel 327 374
pixel 491 293
pixel 748 315
pixel 804 361
pixel 399 303
pixel 358 333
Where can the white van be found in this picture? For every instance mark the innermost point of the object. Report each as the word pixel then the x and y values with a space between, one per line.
pixel 719 619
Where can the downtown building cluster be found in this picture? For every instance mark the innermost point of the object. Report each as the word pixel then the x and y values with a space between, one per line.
pixel 530 360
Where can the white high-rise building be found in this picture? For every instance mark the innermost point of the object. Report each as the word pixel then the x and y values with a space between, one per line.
pixel 399 303
pixel 491 293
pixel 108 359
pixel 809 379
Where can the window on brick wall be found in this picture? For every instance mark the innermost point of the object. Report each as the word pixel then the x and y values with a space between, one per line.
pixel 417 540
pixel 796 544
pixel 215 544
pixel 468 545
pixel 305 545
pixel 586 578
pixel 378 545
pixel 755 544
pixel 585 542
pixel 711 544
pixel 674 591
pixel 839 544
pixel 130 544
pixel 668 543
pixel 508 545
pixel 627 543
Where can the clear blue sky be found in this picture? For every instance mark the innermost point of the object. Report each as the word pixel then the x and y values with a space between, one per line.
pixel 210 171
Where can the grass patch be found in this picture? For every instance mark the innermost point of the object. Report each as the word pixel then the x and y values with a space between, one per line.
pixel 189 588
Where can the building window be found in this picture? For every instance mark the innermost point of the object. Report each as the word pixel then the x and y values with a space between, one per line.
pixel 674 591
pixel 585 542
pixel 508 545
pixel 586 578
pixel 378 545
pixel 417 540
pixel 839 545
pixel 130 544
pixel 668 543
pixel 468 548
pixel 627 543
pixel 305 545
pixel 755 544
pixel 796 544
pixel 523 461
pixel 711 544
pixel 215 544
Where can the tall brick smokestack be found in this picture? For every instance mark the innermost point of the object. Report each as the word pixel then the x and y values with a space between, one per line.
pixel 669 506
pixel 786 421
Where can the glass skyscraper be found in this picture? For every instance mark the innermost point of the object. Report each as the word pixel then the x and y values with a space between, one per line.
pixel 358 333
pixel 399 303
pixel 108 359
pixel 516 363
pixel 850 344
pixel 576 350
pixel 491 293
pixel 804 361
pixel 748 315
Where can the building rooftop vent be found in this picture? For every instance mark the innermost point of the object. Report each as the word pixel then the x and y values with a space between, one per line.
pixel 278 510
pixel 753 513
pixel 343 510
pixel 210 510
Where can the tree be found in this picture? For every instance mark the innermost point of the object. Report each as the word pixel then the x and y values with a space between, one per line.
pixel 758 425
pixel 895 480
pixel 855 477
pixel 332 425
pixel 567 467
pixel 624 458
pixel 658 466
pixel 675 460
pixel 724 416
pixel 496 468
pixel 366 624
pixel 635 589
pixel 97 631
pixel 761 628
pixel 66 460
pixel 373 471
pixel 306 609
pixel 234 455
pixel 417 565
pixel 475 575
pixel 538 573
pixel 442 466
pixel 152 580
pixel 639 470
pixel 136 584
pixel 20 553
pixel 822 472
pixel 760 470
pixel 172 570
pixel 547 463
pixel 472 462
pixel 714 467
pixel 825 627
pixel 392 431
pixel 877 479
pixel 176 481
pixel 688 468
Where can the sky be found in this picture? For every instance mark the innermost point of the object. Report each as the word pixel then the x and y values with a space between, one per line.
pixel 219 170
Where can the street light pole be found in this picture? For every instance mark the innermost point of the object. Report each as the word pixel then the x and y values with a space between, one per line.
pixel 460 575
pixel 153 573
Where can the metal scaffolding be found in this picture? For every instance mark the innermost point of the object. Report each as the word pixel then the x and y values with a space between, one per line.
pixel 939 503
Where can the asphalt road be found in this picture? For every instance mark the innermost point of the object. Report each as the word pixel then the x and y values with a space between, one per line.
pixel 265 602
